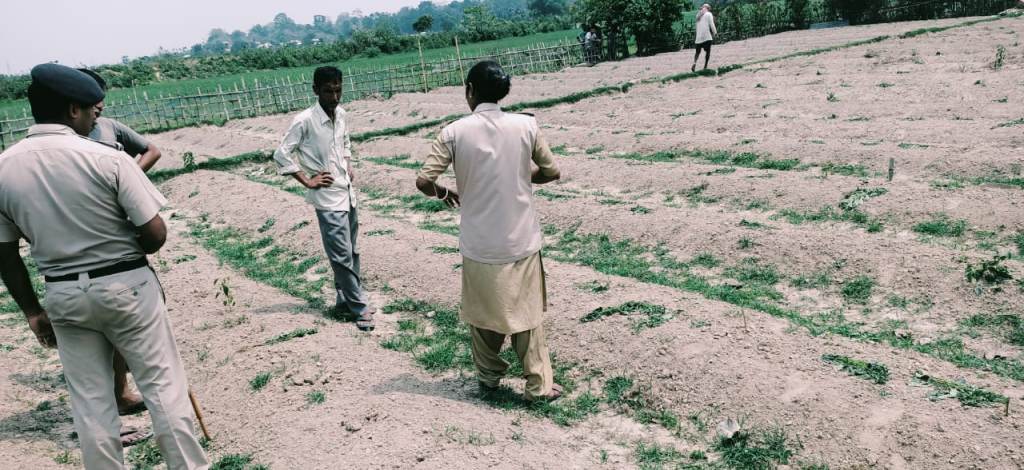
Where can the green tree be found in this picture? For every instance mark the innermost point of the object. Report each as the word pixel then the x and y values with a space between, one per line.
pixel 540 8
pixel 797 12
pixel 650 22
pixel 423 24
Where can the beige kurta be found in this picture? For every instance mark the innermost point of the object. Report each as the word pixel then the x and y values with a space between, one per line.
pixel 500 238
pixel 504 298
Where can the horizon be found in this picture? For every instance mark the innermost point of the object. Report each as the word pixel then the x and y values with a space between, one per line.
pixel 120 28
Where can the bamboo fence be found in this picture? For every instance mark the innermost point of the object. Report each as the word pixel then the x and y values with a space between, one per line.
pixel 147 113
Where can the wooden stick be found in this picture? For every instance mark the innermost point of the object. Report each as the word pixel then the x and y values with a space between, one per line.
pixel 199 414
pixel 892 168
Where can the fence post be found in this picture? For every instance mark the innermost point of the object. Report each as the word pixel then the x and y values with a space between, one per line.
pixel 423 66
pixel 3 142
pixel 458 52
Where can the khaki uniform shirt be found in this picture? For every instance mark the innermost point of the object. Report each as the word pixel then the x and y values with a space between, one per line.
pixel 76 201
pixel 491 151
pixel 321 145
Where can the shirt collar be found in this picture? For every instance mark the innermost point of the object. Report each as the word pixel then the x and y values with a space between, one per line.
pixel 50 129
pixel 484 107
pixel 321 115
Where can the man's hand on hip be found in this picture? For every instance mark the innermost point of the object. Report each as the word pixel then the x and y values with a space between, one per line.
pixel 321 180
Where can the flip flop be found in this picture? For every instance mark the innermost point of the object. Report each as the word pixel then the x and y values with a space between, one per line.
pixel 365 320
pixel 134 408
pixel 131 435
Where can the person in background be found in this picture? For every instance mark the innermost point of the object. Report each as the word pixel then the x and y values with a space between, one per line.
pixel 498 157
pixel 320 138
pixel 706 32
pixel 114 133
pixel 90 217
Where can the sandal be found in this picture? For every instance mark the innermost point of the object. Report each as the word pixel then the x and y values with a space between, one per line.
pixel 364 321
pixel 131 435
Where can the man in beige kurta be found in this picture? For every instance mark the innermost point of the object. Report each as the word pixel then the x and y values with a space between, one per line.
pixel 503 290
pixel 91 217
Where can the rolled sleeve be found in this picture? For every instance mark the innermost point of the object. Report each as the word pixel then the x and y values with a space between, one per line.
pixel 138 197
pixel 133 143
pixel 8 231
pixel 438 160
pixel 543 157
pixel 283 154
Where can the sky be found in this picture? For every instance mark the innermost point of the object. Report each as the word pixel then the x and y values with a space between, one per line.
pixel 77 32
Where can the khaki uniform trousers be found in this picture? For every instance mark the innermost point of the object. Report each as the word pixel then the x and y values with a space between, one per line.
pixel 126 311
pixel 530 346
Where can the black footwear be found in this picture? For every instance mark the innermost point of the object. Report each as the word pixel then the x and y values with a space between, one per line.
pixel 486 389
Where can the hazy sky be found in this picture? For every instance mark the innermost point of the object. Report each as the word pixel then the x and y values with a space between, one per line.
pixel 82 32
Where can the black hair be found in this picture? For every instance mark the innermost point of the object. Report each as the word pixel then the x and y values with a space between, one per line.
pixel 95 76
pixel 326 74
pixel 47 105
pixel 490 82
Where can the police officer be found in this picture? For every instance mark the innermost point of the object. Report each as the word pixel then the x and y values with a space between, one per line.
pixel 90 217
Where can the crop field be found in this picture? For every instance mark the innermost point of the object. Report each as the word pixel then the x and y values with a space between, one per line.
pixel 813 261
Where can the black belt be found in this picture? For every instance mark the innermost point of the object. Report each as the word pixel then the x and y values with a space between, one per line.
pixel 100 272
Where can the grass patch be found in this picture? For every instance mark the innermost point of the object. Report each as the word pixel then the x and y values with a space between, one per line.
pixel 288 336
pixel 651 456
pixel 872 371
pixel 719 157
pixel 261 380
pixel 1009 326
pixel 753 271
pixel 706 260
pixel 552 196
pixel 379 232
pixel 445 250
pixel 844 169
pixel 967 394
pixel 762 451
pixel 316 397
pixel 440 227
pixel 1013 123
pixel 941 226
pixel 858 290
pixel 261 260
pixel 222 164
pixel 144 456
pixel 989 271
pixel 237 462
pixel 400 161
pixel 651 315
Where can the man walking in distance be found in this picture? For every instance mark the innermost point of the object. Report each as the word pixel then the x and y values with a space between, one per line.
pixel 114 133
pixel 320 139
pixel 706 32
pixel 503 289
pixel 91 216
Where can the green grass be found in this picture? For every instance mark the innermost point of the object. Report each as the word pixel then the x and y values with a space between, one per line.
pixel 872 371
pixel 595 287
pixel 158 176
pixel 236 462
pixel 1009 326
pixel 315 397
pixel 261 380
pixel 761 450
pixel 858 290
pixel 706 260
pixel 650 456
pixel 718 157
pixel 379 232
pixel 440 227
pixel 967 394
pixel 941 226
pixel 845 169
pixel 1013 123
pixel 752 270
pixel 401 161
pixel 552 196
pixel 290 335
pixel 444 250
pixel 261 260
pixel 144 456
pixel 651 315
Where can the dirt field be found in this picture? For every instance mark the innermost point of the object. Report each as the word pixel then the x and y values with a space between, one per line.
pixel 713 242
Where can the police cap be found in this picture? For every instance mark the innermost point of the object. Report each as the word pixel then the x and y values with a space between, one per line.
pixel 65 81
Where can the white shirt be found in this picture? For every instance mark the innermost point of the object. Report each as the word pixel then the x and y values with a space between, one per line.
pixel 705 28
pixel 321 145
pixel 76 201
pixel 491 151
